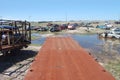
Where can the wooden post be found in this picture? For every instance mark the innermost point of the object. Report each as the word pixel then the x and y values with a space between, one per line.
pixel 12 36
pixel 8 38
pixel 0 41
pixel 25 30
pixel 29 31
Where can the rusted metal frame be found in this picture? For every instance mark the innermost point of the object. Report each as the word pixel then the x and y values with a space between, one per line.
pixel 13 38
pixel 25 30
pixel 17 31
pixel 22 29
pixel 0 41
pixel 29 31
pixel 8 38
pixel 15 27
pixel 2 30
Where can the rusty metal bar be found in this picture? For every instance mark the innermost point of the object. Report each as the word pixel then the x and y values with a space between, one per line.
pixel 29 32
pixel 0 41
pixel 8 38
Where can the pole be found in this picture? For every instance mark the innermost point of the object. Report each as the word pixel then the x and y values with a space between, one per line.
pixel 66 17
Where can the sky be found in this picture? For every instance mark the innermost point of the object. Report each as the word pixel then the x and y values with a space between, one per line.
pixel 60 10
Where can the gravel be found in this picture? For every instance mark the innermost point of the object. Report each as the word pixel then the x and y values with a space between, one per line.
pixel 14 67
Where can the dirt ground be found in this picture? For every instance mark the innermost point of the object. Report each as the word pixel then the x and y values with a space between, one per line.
pixel 14 67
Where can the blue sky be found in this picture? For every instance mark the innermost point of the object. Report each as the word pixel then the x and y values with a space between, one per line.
pixel 52 10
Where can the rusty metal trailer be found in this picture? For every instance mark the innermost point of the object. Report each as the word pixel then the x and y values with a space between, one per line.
pixel 14 35
pixel 62 58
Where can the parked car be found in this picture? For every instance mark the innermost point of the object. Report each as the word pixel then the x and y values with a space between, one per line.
pixel 55 28
pixel 35 28
pixel 63 26
pixel 101 26
pixel 89 28
pixel 30 28
pixel 75 24
pixel 114 33
pixel 43 29
pixel 71 27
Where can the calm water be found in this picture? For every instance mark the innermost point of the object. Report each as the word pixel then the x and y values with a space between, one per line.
pixel 86 41
pixel 40 40
pixel 107 48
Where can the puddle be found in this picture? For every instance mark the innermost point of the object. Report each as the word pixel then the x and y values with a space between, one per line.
pixel 39 41
pixel 100 48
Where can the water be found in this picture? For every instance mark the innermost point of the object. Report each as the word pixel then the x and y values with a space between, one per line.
pixel 100 48
pixel 39 41
pixel 85 40
pixel 35 34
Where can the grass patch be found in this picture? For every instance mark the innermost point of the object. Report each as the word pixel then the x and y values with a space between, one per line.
pixel 114 68
pixel 34 37
pixel 35 44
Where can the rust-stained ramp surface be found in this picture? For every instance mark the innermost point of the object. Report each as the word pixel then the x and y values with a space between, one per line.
pixel 62 58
